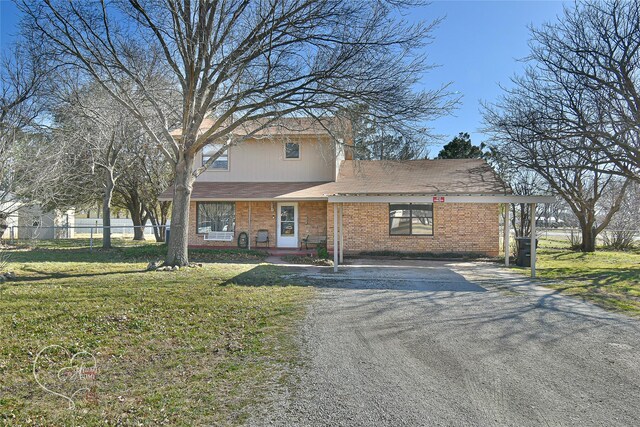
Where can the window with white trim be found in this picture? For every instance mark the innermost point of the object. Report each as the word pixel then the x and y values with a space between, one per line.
pixel 291 150
pixel 215 216
pixel 221 163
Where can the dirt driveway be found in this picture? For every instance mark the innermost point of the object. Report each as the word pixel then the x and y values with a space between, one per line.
pixel 437 343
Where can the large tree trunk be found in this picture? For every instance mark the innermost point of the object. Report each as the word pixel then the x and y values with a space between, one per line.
pixel 588 238
pixel 138 217
pixel 177 252
pixel 106 211
pixel 139 222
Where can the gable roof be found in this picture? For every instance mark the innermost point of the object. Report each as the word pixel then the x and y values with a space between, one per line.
pixel 290 126
pixel 368 177
pixel 416 177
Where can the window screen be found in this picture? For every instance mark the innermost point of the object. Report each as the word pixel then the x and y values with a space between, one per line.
pixel 215 216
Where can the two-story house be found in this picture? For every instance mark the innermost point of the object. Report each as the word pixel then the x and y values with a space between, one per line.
pixel 293 181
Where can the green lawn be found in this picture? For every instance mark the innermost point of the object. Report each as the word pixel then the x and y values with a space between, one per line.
pixel 198 346
pixel 610 279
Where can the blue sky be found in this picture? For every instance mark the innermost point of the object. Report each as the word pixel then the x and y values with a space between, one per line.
pixel 477 47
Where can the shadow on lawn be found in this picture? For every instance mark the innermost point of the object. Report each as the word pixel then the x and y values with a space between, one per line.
pixel 129 254
pixel 40 275
pixel 614 289
pixel 81 255
pixel 568 255
pixel 598 277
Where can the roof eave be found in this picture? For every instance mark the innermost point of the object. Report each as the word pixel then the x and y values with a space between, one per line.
pixel 442 198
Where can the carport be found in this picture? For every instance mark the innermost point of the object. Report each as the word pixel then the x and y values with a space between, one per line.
pixel 506 200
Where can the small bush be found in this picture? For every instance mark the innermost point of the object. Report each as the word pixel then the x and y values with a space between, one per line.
pixel 622 240
pixel 424 255
pixel 307 260
pixel 322 251
pixel 575 239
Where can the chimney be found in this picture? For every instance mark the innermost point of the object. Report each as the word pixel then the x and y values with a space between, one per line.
pixel 348 152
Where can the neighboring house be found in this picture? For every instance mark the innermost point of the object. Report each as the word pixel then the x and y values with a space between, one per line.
pixel 295 181
pixel 31 222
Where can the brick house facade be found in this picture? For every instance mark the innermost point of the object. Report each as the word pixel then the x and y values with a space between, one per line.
pixel 312 221
pixel 457 227
pixel 289 181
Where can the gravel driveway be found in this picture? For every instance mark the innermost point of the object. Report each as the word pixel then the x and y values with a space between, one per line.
pixel 436 343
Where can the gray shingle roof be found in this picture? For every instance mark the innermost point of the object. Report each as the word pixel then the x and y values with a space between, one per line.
pixel 449 176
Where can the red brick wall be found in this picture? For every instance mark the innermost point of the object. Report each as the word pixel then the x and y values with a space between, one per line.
pixel 311 220
pixel 458 227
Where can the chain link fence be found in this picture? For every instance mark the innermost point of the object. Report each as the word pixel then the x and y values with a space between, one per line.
pixel 91 235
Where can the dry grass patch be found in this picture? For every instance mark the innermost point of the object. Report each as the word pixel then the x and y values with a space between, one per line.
pixel 608 278
pixel 191 347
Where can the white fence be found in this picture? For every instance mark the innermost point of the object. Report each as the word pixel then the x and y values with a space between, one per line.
pixel 119 226
pixel 33 233
pixel 566 233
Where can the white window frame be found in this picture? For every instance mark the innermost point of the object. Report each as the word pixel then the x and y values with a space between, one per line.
pixel 211 232
pixel 213 148
pixel 284 148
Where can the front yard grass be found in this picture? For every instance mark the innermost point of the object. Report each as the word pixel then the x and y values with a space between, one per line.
pixel 198 346
pixel 608 278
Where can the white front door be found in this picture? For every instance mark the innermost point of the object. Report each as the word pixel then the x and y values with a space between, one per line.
pixel 287 225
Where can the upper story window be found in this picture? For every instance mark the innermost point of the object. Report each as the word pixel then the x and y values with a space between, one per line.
pixel 411 219
pixel 291 150
pixel 221 163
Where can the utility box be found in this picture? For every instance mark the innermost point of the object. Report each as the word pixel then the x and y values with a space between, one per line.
pixel 524 251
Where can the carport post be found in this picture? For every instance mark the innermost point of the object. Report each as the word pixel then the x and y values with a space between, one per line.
pixel 341 234
pixel 507 233
pixel 335 237
pixel 533 240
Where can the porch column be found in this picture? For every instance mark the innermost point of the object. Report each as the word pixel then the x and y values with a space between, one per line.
pixel 335 237
pixel 507 234
pixel 249 243
pixel 341 234
pixel 533 240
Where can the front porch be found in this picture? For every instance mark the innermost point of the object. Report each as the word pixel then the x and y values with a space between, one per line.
pixel 269 251
pixel 285 222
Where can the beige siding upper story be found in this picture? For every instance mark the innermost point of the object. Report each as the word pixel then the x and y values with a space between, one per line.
pixel 264 161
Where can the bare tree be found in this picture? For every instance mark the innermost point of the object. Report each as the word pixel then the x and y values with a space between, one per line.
pixel 583 83
pixel 22 78
pixel 522 182
pixel 241 62
pixel 375 139
pixel 88 119
pixel 624 227
pixel 140 186
pixel 568 172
